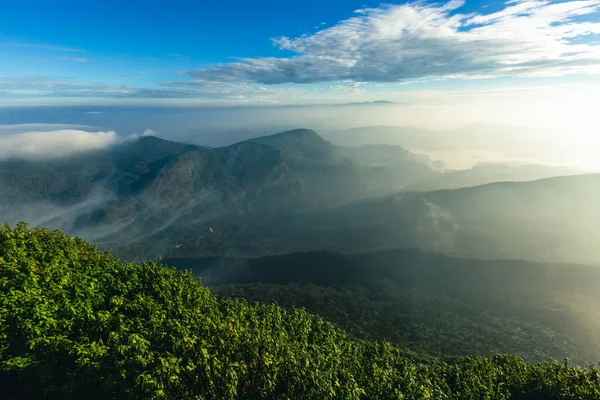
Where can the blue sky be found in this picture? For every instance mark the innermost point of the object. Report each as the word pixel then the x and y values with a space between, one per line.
pixel 288 52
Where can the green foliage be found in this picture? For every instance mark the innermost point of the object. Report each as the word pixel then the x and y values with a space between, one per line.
pixel 440 326
pixel 76 323
pixel 426 302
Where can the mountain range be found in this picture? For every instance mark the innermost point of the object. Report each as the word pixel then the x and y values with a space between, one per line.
pixel 296 191
pixel 152 186
pixel 466 146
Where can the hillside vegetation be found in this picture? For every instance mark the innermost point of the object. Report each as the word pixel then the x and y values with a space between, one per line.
pixel 76 323
pixel 427 302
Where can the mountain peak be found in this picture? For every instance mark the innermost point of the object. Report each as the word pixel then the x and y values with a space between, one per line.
pixel 153 140
pixel 299 143
pixel 301 132
pixel 151 148
pixel 304 135
pixel 144 141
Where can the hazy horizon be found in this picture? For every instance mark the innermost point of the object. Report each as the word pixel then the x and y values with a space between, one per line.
pixel 458 146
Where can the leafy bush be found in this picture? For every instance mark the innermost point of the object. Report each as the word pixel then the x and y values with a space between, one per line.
pixel 78 323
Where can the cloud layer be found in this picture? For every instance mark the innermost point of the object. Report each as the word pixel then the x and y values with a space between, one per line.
pixel 420 40
pixel 22 87
pixel 15 129
pixel 16 142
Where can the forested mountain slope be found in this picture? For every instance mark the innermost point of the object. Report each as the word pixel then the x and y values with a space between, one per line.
pixel 77 324
pixel 143 196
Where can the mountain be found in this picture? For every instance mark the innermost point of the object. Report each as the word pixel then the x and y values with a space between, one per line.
pixel 492 172
pixel 301 144
pixel 382 168
pixel 294 191
pixel 147 195
pixel 554 219
pixel 70 179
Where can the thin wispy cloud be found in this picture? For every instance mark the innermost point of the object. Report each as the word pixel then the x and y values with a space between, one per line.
pixel 43 84
pixel 219 88
pixel 420 40
pixel 179 56
pixel 77 59
pixel 21 87
pixel 40 46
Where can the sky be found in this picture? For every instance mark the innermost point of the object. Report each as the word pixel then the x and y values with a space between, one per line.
pixel 442 64
pixel 290 52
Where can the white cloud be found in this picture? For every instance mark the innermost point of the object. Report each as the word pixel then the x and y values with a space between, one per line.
pixel 14 129
pixel 18 142
pixel 76 59
pixel 420 40
pixel 54 85
pixel 80 59
pixel 219 89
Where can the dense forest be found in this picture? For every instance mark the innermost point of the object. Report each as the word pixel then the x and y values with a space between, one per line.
pixel 78 323
pixel 431 303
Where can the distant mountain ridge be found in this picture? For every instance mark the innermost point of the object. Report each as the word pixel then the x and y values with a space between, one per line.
pixel 552 220
pixel 127 194
pixel 464 147
pixel 492 172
